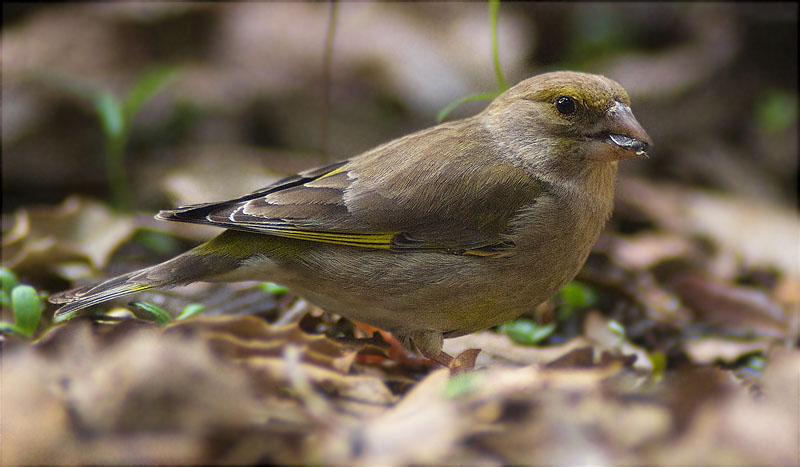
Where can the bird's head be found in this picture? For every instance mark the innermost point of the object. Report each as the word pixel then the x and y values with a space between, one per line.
pixel 569 116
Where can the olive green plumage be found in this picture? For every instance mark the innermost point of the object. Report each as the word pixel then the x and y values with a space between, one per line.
pixel 443 232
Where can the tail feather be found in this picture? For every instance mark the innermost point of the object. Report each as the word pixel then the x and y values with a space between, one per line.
pixel 84 297
pixel 210 261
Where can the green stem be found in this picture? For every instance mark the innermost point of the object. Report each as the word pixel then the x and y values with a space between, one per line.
pixel 453 105
pixel 115 156
pixel 494 6
pixel 326 77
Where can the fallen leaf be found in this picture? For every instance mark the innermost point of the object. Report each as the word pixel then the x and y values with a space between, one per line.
pixel 761 234
pixel 497 349
pixel 423 419
pixel 644 250
pixel 734 309
pixel 99 397
pixel 707 350
pixel 596 328
pixel 78 230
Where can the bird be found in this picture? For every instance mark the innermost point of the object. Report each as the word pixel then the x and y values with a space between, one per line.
pixel 441 233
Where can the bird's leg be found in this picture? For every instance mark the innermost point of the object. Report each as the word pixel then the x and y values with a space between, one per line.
pixel 429 343
pixel 393 347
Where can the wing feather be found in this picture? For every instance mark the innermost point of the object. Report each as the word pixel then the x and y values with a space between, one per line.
pixel 454 203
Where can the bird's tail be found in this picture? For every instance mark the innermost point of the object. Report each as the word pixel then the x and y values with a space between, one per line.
pixel 84 297
pixel 204 263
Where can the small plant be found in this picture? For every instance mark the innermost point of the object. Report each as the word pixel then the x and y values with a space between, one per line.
pixel 494 6
pixel 191 310
pixel 526 332
pixel 276 290
pixel 25 302
pixel 573 296
pixel 150 312
pixel 116 115
pixel 776 111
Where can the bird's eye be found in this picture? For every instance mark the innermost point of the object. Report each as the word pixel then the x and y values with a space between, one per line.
pixel 565 105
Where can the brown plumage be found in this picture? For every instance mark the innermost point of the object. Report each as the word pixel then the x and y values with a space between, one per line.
pixel 443 232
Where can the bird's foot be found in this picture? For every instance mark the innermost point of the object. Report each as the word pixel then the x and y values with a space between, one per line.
pixel 391 348
pixel 429 344
pixel 461 363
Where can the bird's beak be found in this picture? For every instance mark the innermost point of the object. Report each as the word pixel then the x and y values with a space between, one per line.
pixel 624 132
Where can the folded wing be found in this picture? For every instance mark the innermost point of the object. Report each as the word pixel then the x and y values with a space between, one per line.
pixel 432 194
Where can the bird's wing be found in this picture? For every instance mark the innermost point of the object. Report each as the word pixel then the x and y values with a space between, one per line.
pixel 459 199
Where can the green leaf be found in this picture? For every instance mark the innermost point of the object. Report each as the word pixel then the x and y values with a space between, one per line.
pixel 776 111
pixel 453 105
pixel 110 113
pixel 276 290
pixel 617 328
pixel 526 332
pixel 461 384
pixel 64 318
pixel 756 362
pixel 27 308
pixel 153 312
pixel 597 32
pixel 191 310
pixel 577 295
pixel 659 362
pixel 158 241
pixel 8 279
pixel 150 84
pixel 7 328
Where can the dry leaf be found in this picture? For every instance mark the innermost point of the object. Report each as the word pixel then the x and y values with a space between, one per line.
pixel 497 349
pixel 707 350
pixel 735 309
pixel 763 235
pixel 596 327
pixel 78 230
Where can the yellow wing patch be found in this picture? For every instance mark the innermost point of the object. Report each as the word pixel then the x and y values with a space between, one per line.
pixel 479 253
pixel 331 173
pixel 382 241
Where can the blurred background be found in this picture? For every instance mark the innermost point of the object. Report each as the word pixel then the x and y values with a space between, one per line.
pixel 232 95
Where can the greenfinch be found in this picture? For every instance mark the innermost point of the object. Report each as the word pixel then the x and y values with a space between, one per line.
pixel 441 233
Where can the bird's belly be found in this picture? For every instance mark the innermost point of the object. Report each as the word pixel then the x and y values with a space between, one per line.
pixel 452 294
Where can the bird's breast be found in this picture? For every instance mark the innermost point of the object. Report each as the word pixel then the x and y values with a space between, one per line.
pixel 553 238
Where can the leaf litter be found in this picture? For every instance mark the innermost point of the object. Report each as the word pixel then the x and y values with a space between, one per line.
pixel 659 369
